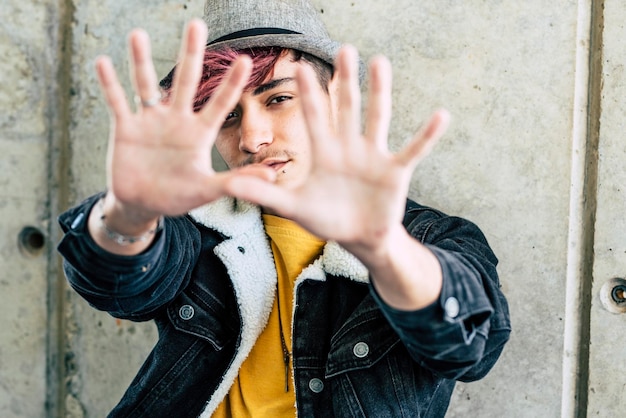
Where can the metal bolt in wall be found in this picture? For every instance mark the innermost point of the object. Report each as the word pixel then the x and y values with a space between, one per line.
pixel 613 295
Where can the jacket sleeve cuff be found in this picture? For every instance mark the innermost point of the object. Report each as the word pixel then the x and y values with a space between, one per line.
pixel 116 274
pixel 461 311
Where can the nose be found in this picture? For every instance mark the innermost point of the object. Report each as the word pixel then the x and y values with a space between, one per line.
pixel 256 132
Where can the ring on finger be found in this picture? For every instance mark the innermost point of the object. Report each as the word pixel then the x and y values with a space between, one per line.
pixel 151 102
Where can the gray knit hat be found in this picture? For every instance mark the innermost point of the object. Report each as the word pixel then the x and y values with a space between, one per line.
pixel 293 24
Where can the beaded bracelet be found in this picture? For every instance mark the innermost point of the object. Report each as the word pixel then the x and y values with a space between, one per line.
pixel 121 239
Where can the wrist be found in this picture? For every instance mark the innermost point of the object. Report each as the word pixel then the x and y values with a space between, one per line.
pixel 404 272
pixel 378 252
pixel 124 238
pixel 120 229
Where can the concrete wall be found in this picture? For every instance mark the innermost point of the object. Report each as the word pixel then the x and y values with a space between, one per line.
pixel 27 63
pixel 533 156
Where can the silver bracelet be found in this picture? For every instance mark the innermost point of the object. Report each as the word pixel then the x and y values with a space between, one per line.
pixel 121 239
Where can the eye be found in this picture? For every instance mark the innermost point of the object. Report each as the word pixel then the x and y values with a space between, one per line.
pixel 231 115
pixel 230 119
pixel 279 99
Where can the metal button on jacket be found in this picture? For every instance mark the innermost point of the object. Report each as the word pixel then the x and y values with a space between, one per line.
pixel 361 349
pixel 186 312
pixel 452 307
pixel 77 220
pixel 316 385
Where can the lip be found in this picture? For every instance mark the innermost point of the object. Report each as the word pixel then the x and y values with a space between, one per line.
pixel 275 164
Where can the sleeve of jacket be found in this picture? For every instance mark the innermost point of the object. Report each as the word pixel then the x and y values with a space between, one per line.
pixel 129 287
pixel 463 333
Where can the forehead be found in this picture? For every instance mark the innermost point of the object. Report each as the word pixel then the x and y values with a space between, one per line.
pixel 285 66
pixel 282 73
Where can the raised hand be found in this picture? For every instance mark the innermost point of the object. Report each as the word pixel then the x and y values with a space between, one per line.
pixel 355 193
pixel 159 156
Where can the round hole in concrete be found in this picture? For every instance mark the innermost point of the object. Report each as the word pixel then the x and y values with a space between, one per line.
pixel 31 240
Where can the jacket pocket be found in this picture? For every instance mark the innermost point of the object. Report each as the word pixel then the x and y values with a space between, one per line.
pixel 362 342
pixel 371 374
pixel 199 313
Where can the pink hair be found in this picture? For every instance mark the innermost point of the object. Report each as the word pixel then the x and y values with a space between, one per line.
pixel 217 62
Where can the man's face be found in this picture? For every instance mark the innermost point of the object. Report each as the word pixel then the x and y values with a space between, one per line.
pixel 268 127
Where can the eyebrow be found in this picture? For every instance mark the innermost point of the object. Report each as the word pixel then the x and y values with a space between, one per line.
pixel 270 85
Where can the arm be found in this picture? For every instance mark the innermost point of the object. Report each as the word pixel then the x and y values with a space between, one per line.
pixel 130 287
pixel 158 164
pixel 159 156
pixel 461 334
pixel 356 179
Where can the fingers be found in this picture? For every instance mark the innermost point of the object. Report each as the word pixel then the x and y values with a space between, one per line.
pixel 111 88
pixel 216 185
pixel 189 67
pixel 379 102
pixel 260 192
pixel 349 93
pixel 228 93
pixel 318 123
pixel 260 171
pixel 425 139
pixel 143 75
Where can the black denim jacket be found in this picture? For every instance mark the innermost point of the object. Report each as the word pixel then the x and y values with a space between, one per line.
pixel 208 281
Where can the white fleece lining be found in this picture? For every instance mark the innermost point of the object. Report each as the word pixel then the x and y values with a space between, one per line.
pixel 248 258
pixel 338 262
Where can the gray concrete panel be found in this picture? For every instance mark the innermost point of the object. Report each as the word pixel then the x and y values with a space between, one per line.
pixel 23 308
pixel 607 368
pixel 505 71
pixel 23 204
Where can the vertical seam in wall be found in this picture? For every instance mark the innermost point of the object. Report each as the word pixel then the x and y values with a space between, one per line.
pixel 583 203
pixel 60 28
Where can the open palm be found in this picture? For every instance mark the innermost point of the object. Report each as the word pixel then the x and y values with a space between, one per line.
pixel 355 193
pixel 159 157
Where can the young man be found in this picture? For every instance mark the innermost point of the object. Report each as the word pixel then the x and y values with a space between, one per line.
pixel 302 280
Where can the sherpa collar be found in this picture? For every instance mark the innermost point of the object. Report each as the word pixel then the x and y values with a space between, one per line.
pixel 235 218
